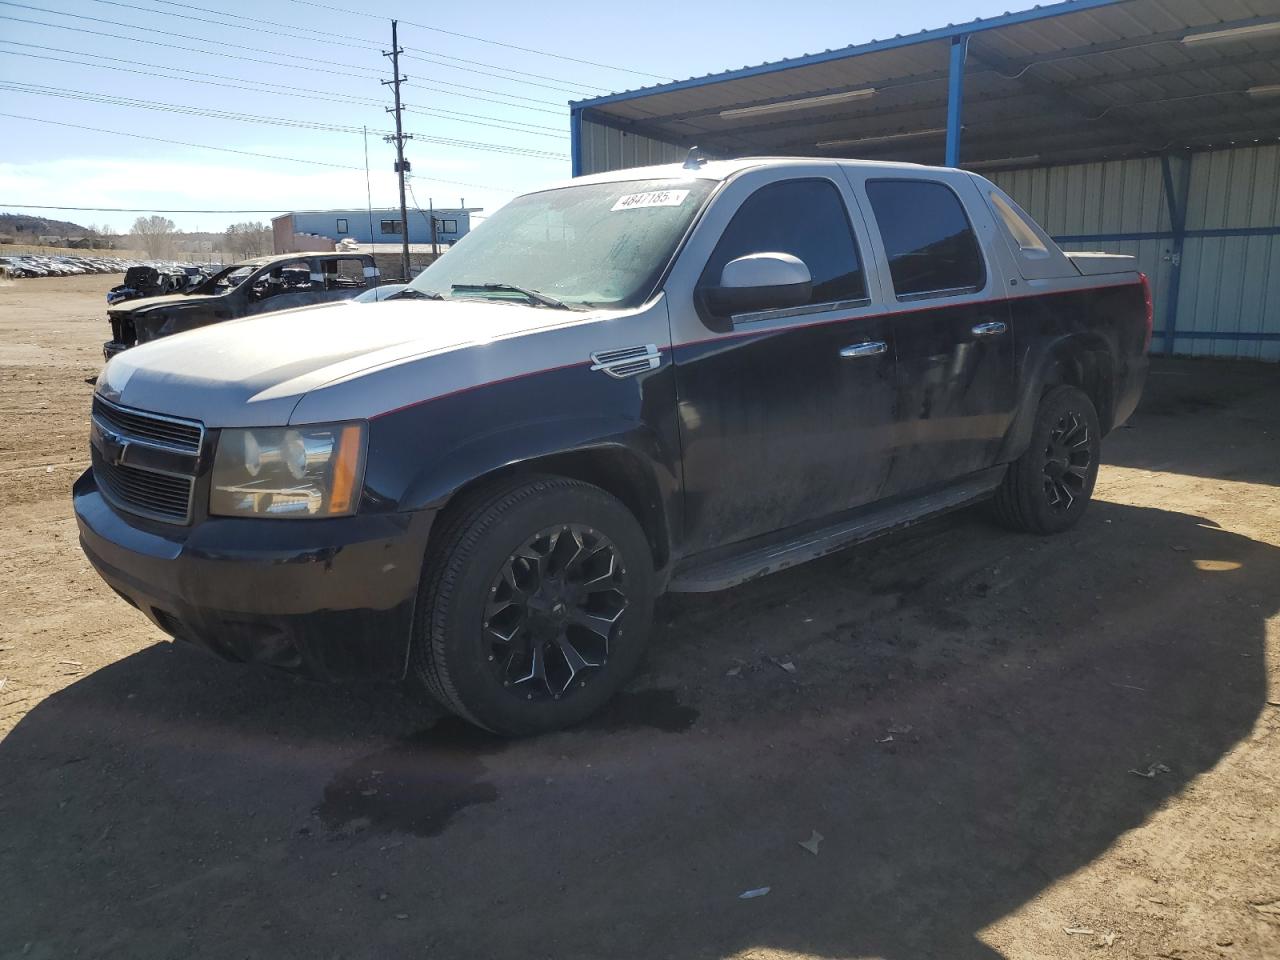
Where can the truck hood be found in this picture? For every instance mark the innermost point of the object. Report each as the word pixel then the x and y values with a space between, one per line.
pixel 254 371
pixel 148 303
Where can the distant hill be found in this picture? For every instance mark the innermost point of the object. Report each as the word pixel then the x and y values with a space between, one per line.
pixel 21 226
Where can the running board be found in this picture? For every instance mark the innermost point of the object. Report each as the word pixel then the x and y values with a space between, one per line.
pixel 749 562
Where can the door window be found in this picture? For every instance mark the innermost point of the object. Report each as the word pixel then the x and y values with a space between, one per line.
pixel 805 218
pixel 931 247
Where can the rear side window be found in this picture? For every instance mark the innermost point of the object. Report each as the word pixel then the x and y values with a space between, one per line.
pixel 931 246
pixel 805 218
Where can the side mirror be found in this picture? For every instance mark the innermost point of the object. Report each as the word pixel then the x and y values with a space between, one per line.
pixel 760 281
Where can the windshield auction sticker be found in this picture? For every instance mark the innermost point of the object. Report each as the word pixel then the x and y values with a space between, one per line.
pixel 655 198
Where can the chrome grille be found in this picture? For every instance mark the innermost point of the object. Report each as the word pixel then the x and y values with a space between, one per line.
pixel 184 435
pixel 145 463
pixel 144 492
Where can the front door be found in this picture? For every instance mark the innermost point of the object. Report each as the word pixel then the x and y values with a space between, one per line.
pixel 956 369
pixel 786 415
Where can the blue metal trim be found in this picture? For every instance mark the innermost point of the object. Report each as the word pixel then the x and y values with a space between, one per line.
pixel 1177 205
pixel 874 46
pixel 1216 232
pixel 575 143
pixel 1097 237
pixel 1216 335
pixel 1234 232
pixel 955 97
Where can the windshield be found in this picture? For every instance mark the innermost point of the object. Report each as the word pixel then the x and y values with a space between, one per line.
pixel 225 280
pixel 594 245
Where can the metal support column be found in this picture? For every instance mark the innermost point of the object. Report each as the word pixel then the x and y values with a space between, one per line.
pixel 955 98
pixel 1175 197
pixel 575 143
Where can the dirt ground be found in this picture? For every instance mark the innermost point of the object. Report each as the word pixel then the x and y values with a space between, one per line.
pixel 1012 746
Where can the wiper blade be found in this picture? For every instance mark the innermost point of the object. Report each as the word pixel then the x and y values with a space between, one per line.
pixel 412 294
pixel 533 296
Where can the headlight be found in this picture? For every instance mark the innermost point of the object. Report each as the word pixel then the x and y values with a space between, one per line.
pixel 311 471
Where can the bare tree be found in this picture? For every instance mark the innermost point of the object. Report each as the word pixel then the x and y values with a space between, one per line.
pixel 244 240
pixel 155 234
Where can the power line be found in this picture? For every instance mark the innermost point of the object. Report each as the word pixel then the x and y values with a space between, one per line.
pixel 274 53
pixel 537 129
pixel 169 33
pixel 284 90
pixel 181 143
pixel 496 43
pixel 92 97
pixel 559 87
pixel 45 206
pixel 246 153
pixel 327 70
pixel 326 37
pixel 523 73
pixel 328 95
pixel 189 110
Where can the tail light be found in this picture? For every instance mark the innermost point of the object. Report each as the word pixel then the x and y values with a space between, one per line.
pixel 1150 309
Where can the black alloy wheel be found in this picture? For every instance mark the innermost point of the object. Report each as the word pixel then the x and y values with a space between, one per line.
pixel 1047 489
pixel 553 610
pixel 535 605
pixel 1068 459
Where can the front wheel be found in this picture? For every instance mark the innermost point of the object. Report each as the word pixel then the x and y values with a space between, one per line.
pixel 1047 489
pixel 535 606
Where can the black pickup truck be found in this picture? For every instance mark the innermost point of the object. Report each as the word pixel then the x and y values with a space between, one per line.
pixel 674 378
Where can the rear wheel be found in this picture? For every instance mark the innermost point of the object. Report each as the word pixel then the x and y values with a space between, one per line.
pixel 535 607
pixel 1047 489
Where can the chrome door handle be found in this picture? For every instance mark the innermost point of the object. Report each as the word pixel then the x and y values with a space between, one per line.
pixel 992 329
pixel 870 349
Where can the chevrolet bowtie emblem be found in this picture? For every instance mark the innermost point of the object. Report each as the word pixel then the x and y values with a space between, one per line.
pixel 113 447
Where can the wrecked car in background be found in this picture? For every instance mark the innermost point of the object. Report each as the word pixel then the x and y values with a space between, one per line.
pixel 261 285
pixel 145 281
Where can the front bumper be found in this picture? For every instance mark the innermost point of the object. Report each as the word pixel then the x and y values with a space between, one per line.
pixel 329 599
pixel 112 347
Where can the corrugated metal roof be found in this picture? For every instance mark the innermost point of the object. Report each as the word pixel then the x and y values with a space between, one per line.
pixel 1076 80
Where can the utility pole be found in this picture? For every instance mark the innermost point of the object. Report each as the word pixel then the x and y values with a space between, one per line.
pixel 402 165
pixel 435 252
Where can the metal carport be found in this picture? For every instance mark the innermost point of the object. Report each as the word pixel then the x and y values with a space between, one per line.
pixel 1142 126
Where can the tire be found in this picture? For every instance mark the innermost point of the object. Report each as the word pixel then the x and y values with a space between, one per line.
pixel 554 564
pixel 1047 489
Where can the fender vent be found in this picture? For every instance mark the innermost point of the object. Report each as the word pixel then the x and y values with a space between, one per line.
pixel 627 361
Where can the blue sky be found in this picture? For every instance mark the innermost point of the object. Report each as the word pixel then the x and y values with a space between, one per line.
pixel 307 65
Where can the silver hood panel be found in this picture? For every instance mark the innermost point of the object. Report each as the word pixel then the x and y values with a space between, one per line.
pixel 255 371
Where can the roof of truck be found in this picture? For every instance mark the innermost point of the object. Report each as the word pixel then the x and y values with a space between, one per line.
pixel 301 255
pixel 723 169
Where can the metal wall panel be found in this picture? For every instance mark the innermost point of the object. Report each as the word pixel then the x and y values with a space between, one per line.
pixel 604 148
pixel 1228 284
pixel 1097 199
pixel 1231 285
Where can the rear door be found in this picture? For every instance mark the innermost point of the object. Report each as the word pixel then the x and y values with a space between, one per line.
pixel 955 378
pixel 784 414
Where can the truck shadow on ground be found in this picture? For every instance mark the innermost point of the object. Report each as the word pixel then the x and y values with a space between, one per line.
pixel 961 726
